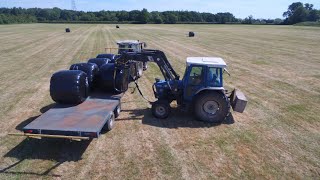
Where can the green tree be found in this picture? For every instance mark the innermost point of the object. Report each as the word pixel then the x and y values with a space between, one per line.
pixel 143 17
pixel 156 18
pixel 314 15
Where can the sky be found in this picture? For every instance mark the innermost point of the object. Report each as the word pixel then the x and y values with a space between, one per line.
pixel 239 8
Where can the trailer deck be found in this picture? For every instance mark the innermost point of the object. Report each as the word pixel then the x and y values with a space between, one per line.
pixel 83 121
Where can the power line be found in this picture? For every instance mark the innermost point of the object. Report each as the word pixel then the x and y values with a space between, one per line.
pixel 73 5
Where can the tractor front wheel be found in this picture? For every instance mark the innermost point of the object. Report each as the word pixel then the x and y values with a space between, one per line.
pixel 161 109
pixel 212 107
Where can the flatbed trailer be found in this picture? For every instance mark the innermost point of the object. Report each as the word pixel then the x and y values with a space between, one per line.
pixel 78 122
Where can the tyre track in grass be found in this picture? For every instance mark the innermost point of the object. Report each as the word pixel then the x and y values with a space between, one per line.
pixel 258 83
pixel 124 148
pixel 173 41
pixel 44 69
pixel 165 135
pixel 65 55
pixel 28 84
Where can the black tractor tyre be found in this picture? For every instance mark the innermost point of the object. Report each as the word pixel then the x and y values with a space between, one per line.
pixel 212 107
pixel 110 123
pixel 161 109
pixel 117 111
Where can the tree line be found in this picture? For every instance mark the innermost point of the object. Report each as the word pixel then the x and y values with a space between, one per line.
pixel 18 15
pixel 297 12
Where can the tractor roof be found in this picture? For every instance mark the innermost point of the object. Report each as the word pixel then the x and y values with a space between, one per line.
pixel 128 42
pixel 209 61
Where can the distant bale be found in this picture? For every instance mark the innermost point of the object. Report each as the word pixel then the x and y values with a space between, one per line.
pixel 89 68
pixel 68 30
pixel 191 34
pixel 69 87
pixel 117 27
pixel 99 61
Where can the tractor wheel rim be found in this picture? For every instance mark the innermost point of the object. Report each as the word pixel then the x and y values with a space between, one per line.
pixel 211 107
pixel 160 110
pixel 111 122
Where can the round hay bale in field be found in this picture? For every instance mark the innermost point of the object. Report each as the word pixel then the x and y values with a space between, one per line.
pixel 112 79
pixel 117 27
pixel 68 30
pixel 191 34
pixel 112 57
pixel 90 69
pixel 99 61
pixel 69 86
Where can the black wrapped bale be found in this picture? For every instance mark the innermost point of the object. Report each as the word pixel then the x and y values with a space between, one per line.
pixel 114 80
pixel 112 57
pixel 117 27
pixel 90 69
pixel 68 30
pixel 99 61
pixel 69 87
pixel 191 34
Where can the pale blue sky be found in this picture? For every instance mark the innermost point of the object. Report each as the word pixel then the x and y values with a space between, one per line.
pixel 240 8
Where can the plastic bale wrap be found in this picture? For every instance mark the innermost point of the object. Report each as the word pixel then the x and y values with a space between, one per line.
pixel 99 61
pixel 112 57
pixel 69 87
pixel 90 69
pixel 114 80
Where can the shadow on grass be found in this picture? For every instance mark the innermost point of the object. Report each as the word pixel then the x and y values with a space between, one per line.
pixel 56 150
pixel 177 119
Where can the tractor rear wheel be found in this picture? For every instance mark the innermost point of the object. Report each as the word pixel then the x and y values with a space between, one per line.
pixel 161 109
pixel 212 107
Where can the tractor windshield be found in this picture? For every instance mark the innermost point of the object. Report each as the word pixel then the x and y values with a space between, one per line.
pixel 214 77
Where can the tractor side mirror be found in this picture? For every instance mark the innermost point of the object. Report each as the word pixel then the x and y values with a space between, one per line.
pixel 145 45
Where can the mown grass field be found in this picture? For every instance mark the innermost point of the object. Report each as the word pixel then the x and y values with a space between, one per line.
pixel 278 136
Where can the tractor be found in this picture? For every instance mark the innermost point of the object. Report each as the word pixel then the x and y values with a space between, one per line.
pixel 137 68
pixel 200 90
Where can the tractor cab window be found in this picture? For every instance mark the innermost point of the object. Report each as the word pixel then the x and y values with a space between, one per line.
pixel 130 48
pixel 214 77
pixel 196 77
pixel 122 48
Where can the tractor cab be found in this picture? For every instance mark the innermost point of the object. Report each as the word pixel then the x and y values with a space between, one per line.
pixel 202 73
pixel 130 46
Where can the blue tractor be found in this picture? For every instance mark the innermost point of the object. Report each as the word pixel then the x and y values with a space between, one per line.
pixel 200 90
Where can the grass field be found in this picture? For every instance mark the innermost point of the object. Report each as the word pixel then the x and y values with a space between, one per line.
pixel 278 136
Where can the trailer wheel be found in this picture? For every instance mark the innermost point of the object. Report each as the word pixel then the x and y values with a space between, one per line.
pixel 161 109
pixel 212 107
pixel 117 111
pixel 110 123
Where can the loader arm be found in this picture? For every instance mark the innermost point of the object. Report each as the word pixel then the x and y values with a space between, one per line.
pixel 150 55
